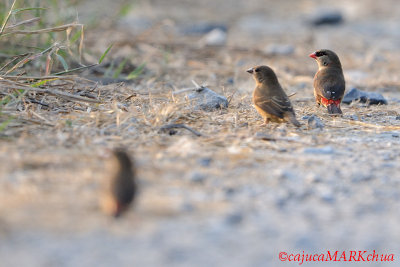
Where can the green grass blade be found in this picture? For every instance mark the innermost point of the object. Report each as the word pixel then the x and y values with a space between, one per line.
pixel 4 101
pixel 125 9
pixel 63 62
pixel 119 69
pixel 15 11
pixel 7 18
pixel 76 69
pixel 136 72
pixel 75 37
pixel 40 83
pixel 105 54
pixel 109 70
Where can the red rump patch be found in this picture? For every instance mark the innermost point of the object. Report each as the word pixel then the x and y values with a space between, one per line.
pixel 327 102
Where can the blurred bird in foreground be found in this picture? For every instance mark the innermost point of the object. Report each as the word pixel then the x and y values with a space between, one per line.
pixel 269 99
pixel 329 84
pixel 119 186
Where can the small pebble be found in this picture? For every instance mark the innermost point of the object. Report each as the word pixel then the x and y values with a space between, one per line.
pixel 197 178
pixel 203 28
pixel 326 194
pixel 205 162
pixel 234 218
pixel 361 178
pixel 286 175
pixel 314 122
pixel 229 191
pixel 353 117
pixel 264 136
pixel 216 37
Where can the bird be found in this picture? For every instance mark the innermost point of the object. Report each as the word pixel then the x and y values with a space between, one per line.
pixel 119 187
pixel 329 83
pixel 269 99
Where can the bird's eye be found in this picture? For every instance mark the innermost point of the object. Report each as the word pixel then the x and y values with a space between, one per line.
pixel 320 54
pixel 257 70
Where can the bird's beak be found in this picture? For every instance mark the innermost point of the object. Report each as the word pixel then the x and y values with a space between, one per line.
pixel 250 70
pixel 313 55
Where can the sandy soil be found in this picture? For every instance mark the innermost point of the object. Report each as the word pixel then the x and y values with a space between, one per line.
pixel 242 192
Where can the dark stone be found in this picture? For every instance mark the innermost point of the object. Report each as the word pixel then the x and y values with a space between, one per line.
pixel 353 117
pixel 370 98
pixel 330 17
pixel 205 162
pixel 203 28
pixel 234 218
pixel 172 132
pixel 230 80
pixel 229 191
pixel 197 178
pixel 361 178
pixel 206 99
pixel 264 136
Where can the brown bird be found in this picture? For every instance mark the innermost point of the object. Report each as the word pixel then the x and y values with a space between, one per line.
pixel 119 187
pixel 269 99
pixel 329 84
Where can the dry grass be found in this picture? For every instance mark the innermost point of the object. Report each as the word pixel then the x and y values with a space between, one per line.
pixel 60 129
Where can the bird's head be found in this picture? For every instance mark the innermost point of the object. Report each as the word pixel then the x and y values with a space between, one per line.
pixel 122 158
pixel 263 74
pixel 326 58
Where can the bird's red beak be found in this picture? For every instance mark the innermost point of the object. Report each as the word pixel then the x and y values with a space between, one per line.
pixel 313 55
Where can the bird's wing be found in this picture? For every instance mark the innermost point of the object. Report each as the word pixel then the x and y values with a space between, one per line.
pixel 274 105
pixel 330 84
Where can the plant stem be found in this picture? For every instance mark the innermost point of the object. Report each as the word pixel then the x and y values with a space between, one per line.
pixel 7 18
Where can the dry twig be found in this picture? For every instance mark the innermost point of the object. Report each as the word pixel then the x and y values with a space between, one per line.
pixel 182 126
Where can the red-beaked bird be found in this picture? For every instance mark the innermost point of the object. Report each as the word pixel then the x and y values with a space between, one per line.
pixel 329 84
pixel 269 99
pixel 119 186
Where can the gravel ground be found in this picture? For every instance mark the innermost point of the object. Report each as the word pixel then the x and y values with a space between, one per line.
pixel 241 193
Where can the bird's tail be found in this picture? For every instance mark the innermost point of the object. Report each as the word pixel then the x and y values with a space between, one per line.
pixel 292 118
pixel 334 109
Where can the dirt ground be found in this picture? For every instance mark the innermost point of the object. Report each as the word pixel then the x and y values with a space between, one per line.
pixel 242 192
